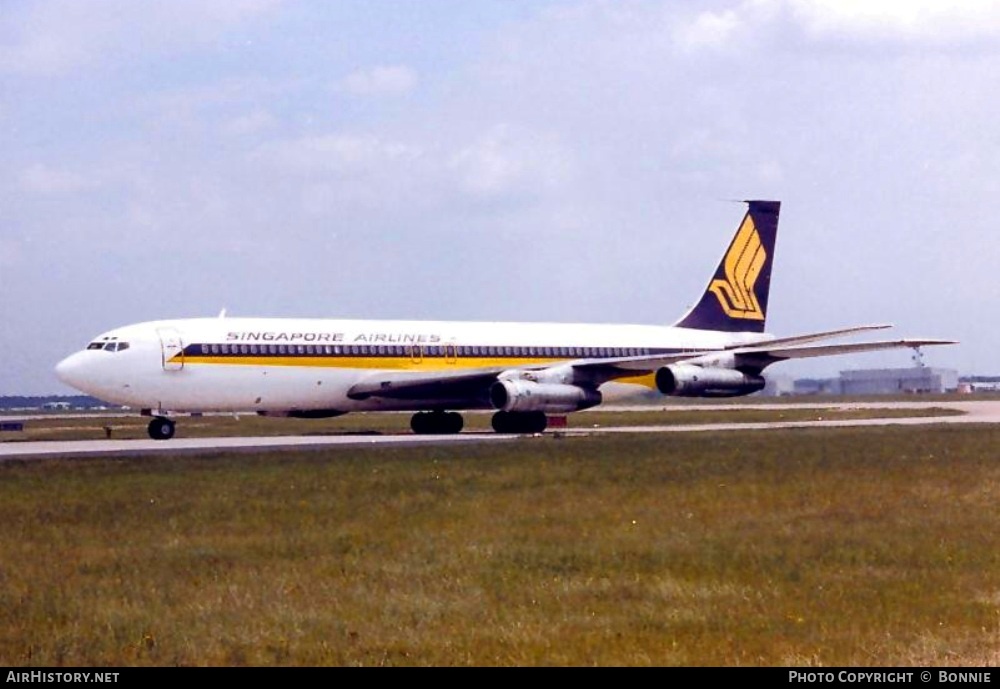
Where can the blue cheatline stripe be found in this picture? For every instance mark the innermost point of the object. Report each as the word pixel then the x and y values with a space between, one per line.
pixel 229 351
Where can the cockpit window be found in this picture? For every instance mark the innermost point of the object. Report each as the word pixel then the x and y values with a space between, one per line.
pixel 111 346
pixel 95 345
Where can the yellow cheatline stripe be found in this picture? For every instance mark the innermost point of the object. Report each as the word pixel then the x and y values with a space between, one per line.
pixel 647 380
pixel 401 363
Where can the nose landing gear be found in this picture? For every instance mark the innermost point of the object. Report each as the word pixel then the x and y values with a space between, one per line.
pixel 161 428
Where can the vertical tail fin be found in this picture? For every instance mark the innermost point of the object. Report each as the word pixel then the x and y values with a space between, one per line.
pixel 736 297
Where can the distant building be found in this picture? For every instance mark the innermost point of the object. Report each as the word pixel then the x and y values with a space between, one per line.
pixel 972 384
pixel 817 386
pixel 894 381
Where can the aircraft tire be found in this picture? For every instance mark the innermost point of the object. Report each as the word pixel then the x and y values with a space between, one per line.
pixel 453 422
pixel 419 423
pixel 161 428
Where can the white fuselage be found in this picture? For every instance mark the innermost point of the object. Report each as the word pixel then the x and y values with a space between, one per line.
pixel 275 365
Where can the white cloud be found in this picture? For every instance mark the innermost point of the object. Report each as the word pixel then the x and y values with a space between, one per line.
pixel 336 154
pixel 380 81
pixel 886 23
pixel 503 162
pixel 708 30
pixel 11 253
pixel 44 179
pixel 61 36
pixel 928 21
pixel 249 123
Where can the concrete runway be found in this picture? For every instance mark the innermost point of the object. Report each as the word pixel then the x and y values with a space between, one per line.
pixel 983 412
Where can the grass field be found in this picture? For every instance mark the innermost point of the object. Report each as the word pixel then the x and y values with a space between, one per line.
pixel 850 547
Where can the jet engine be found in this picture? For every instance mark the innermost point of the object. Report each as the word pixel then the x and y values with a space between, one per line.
pixel 681 380
pixel 552 398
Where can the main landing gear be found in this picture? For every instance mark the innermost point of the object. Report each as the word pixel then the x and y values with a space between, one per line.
pixel 446 423
pixel 161 428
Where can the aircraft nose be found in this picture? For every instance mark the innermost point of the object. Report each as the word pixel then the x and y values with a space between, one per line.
pixel 70 370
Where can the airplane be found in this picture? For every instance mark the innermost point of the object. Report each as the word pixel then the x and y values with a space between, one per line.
pixel 523 372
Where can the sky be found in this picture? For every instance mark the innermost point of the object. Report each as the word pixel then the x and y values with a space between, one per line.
pixel 495 160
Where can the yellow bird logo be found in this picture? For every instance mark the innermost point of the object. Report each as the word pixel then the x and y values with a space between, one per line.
pixel 743 263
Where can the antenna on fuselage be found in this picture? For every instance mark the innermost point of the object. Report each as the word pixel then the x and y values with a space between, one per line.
pixel 222 314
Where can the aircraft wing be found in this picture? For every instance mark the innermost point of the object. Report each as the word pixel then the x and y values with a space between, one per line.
pixel 475 383
pixel 770 353
pixel 755 356
pixel 824 335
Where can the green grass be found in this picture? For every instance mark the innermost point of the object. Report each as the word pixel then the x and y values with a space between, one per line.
pixel 847 547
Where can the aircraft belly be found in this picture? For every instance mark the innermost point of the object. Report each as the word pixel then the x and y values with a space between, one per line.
pixel 440 403
pixel 252 388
